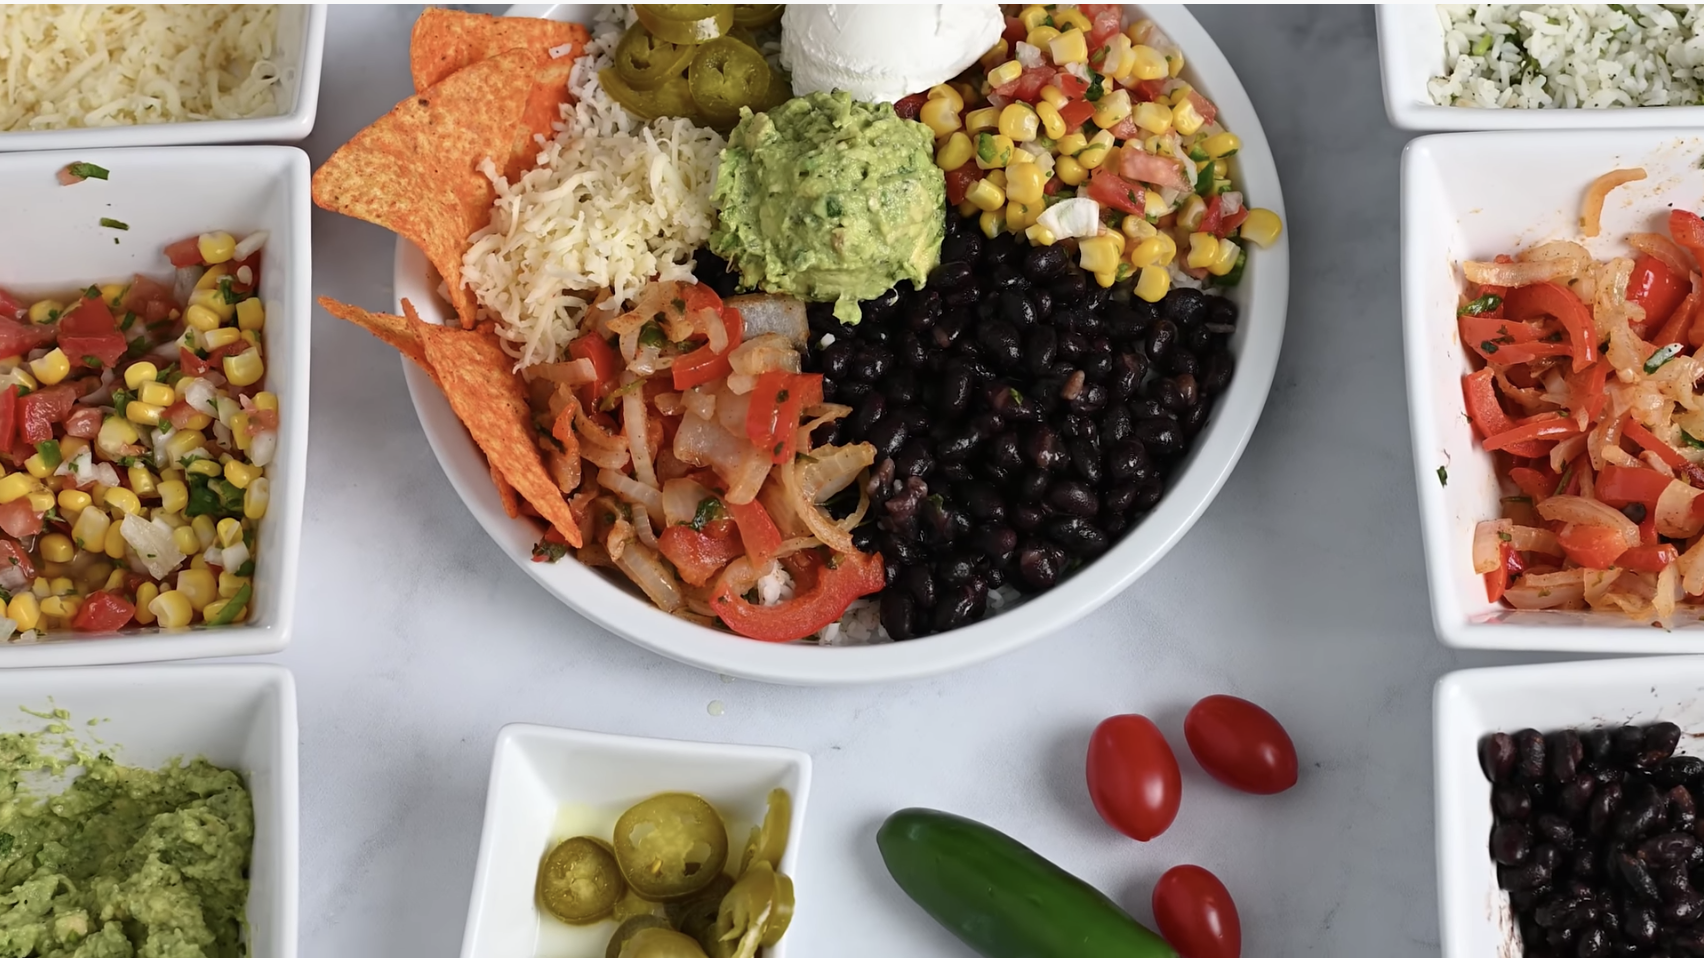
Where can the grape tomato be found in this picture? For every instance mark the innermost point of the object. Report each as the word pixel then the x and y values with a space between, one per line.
pixel 1133 776
pixel 1196 914
pixel 1241 744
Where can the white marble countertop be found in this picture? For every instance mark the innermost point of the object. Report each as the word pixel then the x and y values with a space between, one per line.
pixel 1301 589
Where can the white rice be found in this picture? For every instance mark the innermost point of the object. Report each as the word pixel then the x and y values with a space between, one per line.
pixel 1570 55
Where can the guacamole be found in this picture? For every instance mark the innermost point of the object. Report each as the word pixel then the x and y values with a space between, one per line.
pixel 125 862
pixel 829 199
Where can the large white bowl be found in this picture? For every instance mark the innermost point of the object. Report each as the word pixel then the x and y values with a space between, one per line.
pixel 1455 208
pixel 1411 52
pixel 52 241
pixel 1474 917
pixel 241 717
pixel 1262 296
pixel 551 784
pixel 301 45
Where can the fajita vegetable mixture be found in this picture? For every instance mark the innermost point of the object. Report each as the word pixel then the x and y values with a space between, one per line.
pixel 798 354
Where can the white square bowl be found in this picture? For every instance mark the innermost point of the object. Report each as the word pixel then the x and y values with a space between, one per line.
pixel 1411 52
pixel 241 717
pixel 53 241
pixel 550 784
pixel 1474 916
pixel 1461 200
pixel 301 46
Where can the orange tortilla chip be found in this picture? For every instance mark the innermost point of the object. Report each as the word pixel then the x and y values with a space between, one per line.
pixel 490 400
pixel 401 333
pixel 415 171
pixel 445 41
pixel 506 494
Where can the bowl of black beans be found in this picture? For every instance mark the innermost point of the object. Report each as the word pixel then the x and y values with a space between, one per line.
pixel 1040 440
pixel 1568 809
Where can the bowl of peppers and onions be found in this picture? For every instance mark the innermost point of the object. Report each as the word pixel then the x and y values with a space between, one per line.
pixel 1076 127
pixel 135 436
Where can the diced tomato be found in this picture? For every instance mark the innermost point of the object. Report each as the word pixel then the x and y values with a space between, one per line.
pixel 41 410
pixel 1106 21
pixel 150 300
pixel 18 338
pixel 12 307
pixel 179 414
pixel 1648 558
pixel 606 362
pixel 1115 192
pixel 84 423
pixel 1143 167
pixel 8 417
pixel 1126 129
pixel 1539 428
pixel 1203 106
pixel 266 420
pixel 1687 229
pixel 1015 32
pixel 89 332
pixel 1212 216
pixel 1554 299
pixel 1657 288
pixel 698 556
pixel 1537 485
pixel 960 181
pixel 191 364
pixel 253 264
pixel 18 519
pixel 103 612
pixel 1232 222
pixel 14 556
pixel 757 530
pixel 1053 186
pixel 1595 547
pixel 704 364
pixel 908 107
pixel 1077 112
pixel 1074 87
pixel 1029 84
pixel 810 610
pixel 1622 485
pixel 185 252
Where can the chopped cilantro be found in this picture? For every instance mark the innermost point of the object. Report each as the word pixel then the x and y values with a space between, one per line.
pixel 1691 440
pixel 1482 45
pixel 1562 483
pixel 93 292
pixel 651 335
pixel 120 399
pixel 246 569
pixel 709 510
pixel 213 496
pixel 1096 90
pixel 49 453
pixel 1480 306
pixel 231 298
pixel 1443 476
pixel 1660 357
pixel 547 551
pixel 128 321
pixel 1234 276
pixel 1488 347
pixel 93 362
pixel 113 224
pixel 86 171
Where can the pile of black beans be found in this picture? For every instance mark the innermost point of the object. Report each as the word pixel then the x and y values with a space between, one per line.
pixel 1024 418
pixel 1597 840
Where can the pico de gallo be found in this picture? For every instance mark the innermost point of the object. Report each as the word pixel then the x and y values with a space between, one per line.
pixel 696 418
pixel 1077 127
pixel 135 437
pixel 1585 393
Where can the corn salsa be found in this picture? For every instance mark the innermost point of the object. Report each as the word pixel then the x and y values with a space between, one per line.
pixel 135 435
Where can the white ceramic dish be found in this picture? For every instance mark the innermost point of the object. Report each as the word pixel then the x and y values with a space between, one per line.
pixel 1263 297
pixel 301 44
pixel 241 717
pixel 1451 210
pixel 54 242
pixel 1411 52
pixel 551 784
pixel 1474 918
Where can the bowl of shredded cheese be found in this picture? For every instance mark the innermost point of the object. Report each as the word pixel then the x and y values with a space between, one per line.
pixel 119 75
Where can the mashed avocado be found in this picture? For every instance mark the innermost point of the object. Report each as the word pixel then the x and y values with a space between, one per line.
pixel 125 862
pixel 829 199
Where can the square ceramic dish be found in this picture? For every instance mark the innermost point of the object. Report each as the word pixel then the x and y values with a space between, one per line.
pixel 1411 52
pixel 301 45
pixel 54 241
pixel 1474 917
pixel 551 784
pixel 1454 208
pixel 241 717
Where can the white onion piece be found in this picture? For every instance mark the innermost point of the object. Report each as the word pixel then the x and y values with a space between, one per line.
pixel 668 404
pixel 1548 591
pixel 637 493
pixel 1028 54
pixel 1691 566
pixel 1532 539
pixel 250 245
pixel 1488 538
pixel 262 448
pixel 1513 274
pixel 571 373
pixel 596 435
pixel 704 443
pixel 739 384
pixel 700 403
pixel 603 457
pixel 13 580
pixel 681 498
pixel 7 627
pixel 650 575
pixel 1674 511
pixel 731 412
pixel 834 469
pixel 154 546
pixel 637 423
pixel 765 314
pixel 819 522
pixel 642 529
pixel 763 354
pixel 200 396
pixel 233 557
pixel 1075 217
pixel 1668 592
pixel 747 476
pixel 183 285
pixel 1589 512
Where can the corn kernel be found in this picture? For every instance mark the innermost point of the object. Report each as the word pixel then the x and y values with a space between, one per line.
pixel 1018 122
pixel 184 538
pixel 1039 235
pixel 113 293
pixel 201 318
pixel 46 310
pixel 1005 73
pixel 993 151
pixel 182 442
pixel 206 467
pixel 142 481
pixel 1020 157
pixel 1021 216
pixel 240 474
pixel 1071 144
pixel 251 314
pixel 990 222
pixel 1174 62
pixel 198 586
pixel 158 394
pixel 1052 123
pixel 52 367
pixel 1069 171
pixel 16 486
pixel 1150 63
pixel 999 53
pixel 1186 119
pixel 115 541
pixel 1098 254
pixel 1203 248
pixel 114 580
pixel 56 547
pixel 1190 215
pixel 1033 16
pixel 1152 284
pixel 1040 37
pixel 955 152
pixel 1153 117
pixel 986 195
pixel 1262 227
pixel 266 400
pixel 1093 156
pixel 1224 258
pixel 997 177
pixel 210 279
pixel 25 610
pixel 172 609
pixel 1105 279
pixel 979 121
pixel 1072 17
pixel 139 373
pixel 205 531
pixel 230 584
pixel 199 563
pixel 213 300
pixel 251 337
pixel 939 116
pixel 244 369
pixel 144 413
pixel 1053 97
pixel 217 247
pixel 1072 46
pixel 1119 60
pixel 1168 249
pixel 90 530
pixel 229 532
pixel 38 467
pixel 146 593
pixel 1222 144
pixel 55 607
pixel 123 500
pixel 1111 108
pixel 942 91
pixel 1136 228
pixel 224 336
pixel 1025 183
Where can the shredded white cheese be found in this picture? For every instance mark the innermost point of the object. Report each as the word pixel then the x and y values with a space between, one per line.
pixel 65 65
pixel 615 203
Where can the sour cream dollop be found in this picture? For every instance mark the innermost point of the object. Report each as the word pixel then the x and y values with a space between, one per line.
pixel 882 52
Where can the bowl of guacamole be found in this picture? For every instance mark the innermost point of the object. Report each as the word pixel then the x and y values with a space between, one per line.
pixel 143 812
pixel 830 200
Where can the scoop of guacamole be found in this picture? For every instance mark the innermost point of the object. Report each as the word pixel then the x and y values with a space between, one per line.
pixel 827 198
pixel 125 862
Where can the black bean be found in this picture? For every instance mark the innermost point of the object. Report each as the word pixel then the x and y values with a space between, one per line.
pixel 955 569
pixel 1667 851
pixel 1216 373
pixel 1086 459
pixel 1199 340
pixel 1073 426
pixel 954 393
pixel 848 391
pixel 1004 451
pixel 1596 742
pixel 1576 796
pixel 1017 309
pixel 951 274
pixel 1639 923
pixel 1116 424
pixel 1039 565
pixel 1126 375
pixel 1071 287
pixel 1658 743
pixel 999 342
pixel 1628 740
pixel 1221 311
pixel 1683 809
pixel 1678 769
pixel 1565 752
pixel 1043 263
pixel 948 328
pixel 1684 909
pixel 1001 249
pixel 1149 409
pixel 1634 511
pixel 1165 392
pixel 1148 493
pixel 1161 337
pixel 1090 400
pixel 1120 500
pixel 1496 751
pixel 869 411
pixel 919 582
pixel 1077 536
pixel 1511 843
pixel 1164 439
pixel 1042 302
pixel 1006 276
pixel 1181 362
pixel 1043 448
pixel 1594 942
pixel 1032 485
pixel 1689 941
pixel 1098 363
pixel 1193 419
pixel 889 437
pixel 901 550
pixel 1124 464
pixel 837 360
pixel 997 541
pixel 1604 805
pixel 1184 306
pixel 965 246
pixel 1073 498
pixel 1633 874
pixel 982 501
pixel 1641 812
pixel 898 611
pixel 1028 518
pixel 961 605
